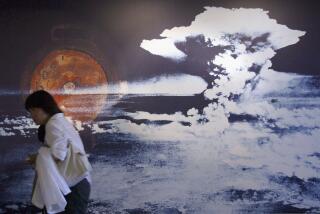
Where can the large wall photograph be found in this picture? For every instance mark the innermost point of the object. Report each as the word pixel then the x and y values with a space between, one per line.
pixel 183 106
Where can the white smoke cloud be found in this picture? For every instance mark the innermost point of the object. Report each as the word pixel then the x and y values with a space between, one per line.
pixel 165 85
pixel 237 144
pixel 215 23
pixel 213 146
pixel 164 47
pixel 226 27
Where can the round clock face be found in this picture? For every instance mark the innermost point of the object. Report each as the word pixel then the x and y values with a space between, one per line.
pixel 68 74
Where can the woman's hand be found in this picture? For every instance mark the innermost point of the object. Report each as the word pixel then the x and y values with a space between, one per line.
pixel 31 159
pixel 57 160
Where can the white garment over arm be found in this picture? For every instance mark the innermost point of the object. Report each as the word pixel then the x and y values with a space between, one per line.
pixel 57 141
pixel 50 186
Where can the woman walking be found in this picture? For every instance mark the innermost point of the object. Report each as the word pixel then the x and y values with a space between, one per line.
pixel 64 148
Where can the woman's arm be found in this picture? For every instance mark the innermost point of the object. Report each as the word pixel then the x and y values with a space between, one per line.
pixel 31 159
pixel 56 140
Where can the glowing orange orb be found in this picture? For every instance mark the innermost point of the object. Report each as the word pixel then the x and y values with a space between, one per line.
pixel 65 73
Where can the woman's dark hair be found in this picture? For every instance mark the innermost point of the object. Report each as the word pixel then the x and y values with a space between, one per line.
pixel 41 133
pixel 44 100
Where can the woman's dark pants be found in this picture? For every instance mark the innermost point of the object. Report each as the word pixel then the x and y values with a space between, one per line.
pixel 78 199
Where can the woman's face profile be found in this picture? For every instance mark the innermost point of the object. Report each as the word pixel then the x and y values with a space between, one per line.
pixel 39 116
